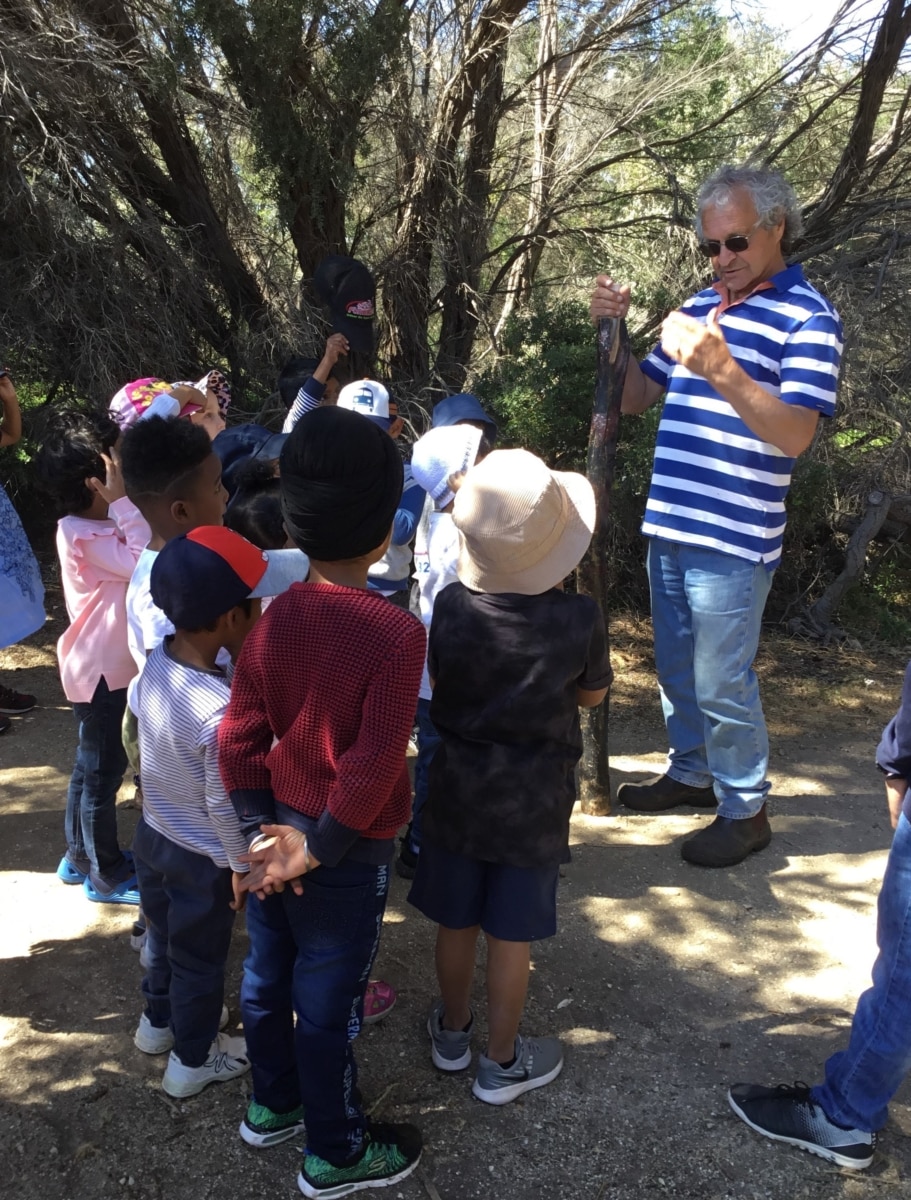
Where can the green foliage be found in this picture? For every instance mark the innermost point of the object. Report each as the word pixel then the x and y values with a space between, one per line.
pixel 307 72
pixel 881 610
pixel 541 388
pixel 541 391
pixel 163 196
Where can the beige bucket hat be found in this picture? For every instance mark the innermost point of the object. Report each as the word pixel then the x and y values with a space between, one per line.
pixel 523 527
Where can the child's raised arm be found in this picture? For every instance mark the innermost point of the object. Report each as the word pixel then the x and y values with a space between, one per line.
pixel 311 394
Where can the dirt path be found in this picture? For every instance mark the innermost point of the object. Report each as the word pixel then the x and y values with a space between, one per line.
pixel 665 982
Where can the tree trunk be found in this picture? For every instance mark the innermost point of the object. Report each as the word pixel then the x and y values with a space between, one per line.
pixel 546 123
pixel 186 196
pixel 469 231
pixel 879 68
pixel 613 357
pixel 432 182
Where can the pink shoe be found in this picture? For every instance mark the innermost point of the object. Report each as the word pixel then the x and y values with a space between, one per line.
pixel 379 1000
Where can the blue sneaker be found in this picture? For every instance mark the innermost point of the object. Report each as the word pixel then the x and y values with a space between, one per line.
pixel 125 892
pixel 67 872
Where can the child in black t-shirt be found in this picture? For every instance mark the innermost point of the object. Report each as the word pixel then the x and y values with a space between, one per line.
pixel 511 657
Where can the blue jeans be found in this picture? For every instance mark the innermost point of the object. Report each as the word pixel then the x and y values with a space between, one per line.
pixel 861 1080
pixel 91 800
pixel 428 740
pixel 186 901
pixel 706 613
pixel 311 955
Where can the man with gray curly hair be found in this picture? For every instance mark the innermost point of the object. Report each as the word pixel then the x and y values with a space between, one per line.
pixel 747 365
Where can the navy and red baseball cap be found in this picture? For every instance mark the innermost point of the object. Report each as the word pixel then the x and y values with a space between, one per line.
pixel 202 574
pixel 346 286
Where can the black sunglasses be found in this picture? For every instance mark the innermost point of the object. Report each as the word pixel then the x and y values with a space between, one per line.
pixel 736 244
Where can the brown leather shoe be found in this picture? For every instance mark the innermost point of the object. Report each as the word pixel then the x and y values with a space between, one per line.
pixel 661 793
pixel 726 842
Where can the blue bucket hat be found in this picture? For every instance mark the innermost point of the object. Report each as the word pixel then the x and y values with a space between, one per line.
pixel 463 406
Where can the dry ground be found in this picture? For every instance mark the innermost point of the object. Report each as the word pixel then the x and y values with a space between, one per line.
pixel 666 983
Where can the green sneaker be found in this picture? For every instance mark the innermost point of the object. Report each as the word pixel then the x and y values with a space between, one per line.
pixel 262 1127
pixel 390 1153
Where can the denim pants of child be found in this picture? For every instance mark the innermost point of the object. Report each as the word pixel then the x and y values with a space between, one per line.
pixel 861 1080
pixel 706 614
pixel 311 955
pixel 91 799
pixel 428 740
pixel 186 901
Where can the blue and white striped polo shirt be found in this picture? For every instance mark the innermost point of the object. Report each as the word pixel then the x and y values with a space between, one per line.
pixel 714 483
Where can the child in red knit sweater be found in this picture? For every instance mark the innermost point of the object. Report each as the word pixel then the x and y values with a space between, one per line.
pixel 312 752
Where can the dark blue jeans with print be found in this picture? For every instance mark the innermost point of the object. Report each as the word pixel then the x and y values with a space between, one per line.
pixel 311 955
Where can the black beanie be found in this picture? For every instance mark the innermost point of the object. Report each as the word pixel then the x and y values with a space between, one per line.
pixel 341 483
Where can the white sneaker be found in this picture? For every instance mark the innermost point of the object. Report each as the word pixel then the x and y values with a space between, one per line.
pixel 151 1040
pixel 227 1060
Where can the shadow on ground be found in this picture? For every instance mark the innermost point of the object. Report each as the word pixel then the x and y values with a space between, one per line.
pixel 666 983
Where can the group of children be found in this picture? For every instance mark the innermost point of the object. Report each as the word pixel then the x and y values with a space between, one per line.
pixel 255 662
pixel 271 745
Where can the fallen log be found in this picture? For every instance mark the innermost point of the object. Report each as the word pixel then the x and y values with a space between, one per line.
pixel 818 620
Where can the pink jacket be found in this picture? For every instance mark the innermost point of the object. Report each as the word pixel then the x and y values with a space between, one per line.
pixel 96 561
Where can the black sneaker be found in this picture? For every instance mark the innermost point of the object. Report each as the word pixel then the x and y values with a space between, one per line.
pixel 407 862
pixel 15 702
pixel 390 1153
pixel 790 1114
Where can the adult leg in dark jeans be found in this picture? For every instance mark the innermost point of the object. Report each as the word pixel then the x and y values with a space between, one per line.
pixel 91 805
pixel 314 950
pixel 186 899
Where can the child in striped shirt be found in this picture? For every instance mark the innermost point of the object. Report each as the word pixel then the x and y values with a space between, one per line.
pixel 188 843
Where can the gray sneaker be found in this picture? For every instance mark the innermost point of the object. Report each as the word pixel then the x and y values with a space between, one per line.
pixel 538 1061
pixel 450 1050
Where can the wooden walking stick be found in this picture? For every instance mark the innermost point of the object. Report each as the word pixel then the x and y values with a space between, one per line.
pixel 613 357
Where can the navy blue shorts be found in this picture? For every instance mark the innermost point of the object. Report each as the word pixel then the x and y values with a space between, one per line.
pixel 514 904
